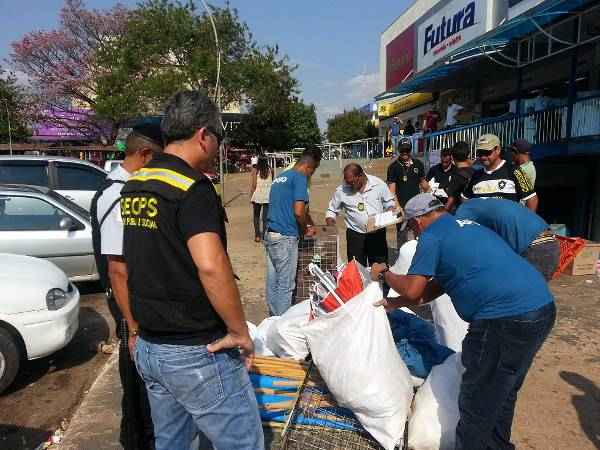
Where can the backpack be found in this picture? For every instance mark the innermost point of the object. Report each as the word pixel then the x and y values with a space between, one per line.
pixel 101 260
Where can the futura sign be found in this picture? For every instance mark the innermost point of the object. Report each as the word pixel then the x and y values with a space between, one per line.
pixel 452 26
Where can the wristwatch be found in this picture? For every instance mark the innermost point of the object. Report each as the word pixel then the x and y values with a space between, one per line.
pixel 381 275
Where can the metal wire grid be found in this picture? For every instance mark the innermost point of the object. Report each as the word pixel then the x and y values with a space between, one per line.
pixel 318 423
pixel 323 251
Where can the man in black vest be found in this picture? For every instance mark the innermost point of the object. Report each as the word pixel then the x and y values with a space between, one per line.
pixel 142 143
pixel 192 338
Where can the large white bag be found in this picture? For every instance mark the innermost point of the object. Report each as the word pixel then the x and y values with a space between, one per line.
pixel 432 425
pixel 284 336
pixel 450 329
pixel 355 353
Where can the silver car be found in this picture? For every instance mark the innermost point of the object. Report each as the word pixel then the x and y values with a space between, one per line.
pixel 37 221
pixel 76 179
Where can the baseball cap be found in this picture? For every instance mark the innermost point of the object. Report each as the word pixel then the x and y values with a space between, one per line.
pixel 150 132
pixel 487 142
pixel 520 146
pixel 420 205
pixel 404 146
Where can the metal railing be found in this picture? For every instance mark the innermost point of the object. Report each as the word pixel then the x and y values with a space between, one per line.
pixel 549 125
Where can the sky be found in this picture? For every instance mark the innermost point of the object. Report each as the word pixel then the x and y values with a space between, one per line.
pixel 335 43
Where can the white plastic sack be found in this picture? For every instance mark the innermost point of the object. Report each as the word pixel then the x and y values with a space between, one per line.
pixel 284 336
pixel 257 334
pixel 354 350
pixel 432 425
pixel 450 329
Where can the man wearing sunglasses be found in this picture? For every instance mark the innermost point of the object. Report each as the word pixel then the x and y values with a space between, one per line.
pixel 498 178
pixel 192 339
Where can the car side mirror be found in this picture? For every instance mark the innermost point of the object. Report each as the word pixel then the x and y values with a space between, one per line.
pixel 66 223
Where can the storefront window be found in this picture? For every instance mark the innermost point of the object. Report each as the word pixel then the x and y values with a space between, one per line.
pixel 525 54
pixel 540 46
pixel 565 31
pixel 590 25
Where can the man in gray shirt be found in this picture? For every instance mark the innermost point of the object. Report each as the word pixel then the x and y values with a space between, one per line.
pixel 359 197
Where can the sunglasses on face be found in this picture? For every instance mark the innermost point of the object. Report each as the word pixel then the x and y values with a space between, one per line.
pixel 484 153
pixel 216 134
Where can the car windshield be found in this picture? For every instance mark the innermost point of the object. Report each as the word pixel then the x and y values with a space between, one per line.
pixel 69 204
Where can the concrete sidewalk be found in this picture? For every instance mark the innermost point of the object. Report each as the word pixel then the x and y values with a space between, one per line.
pixel 96 422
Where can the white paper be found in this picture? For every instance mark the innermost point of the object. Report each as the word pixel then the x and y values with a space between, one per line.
pixel 385 219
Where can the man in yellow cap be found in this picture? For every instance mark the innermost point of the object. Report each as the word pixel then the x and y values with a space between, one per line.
pixel 498 178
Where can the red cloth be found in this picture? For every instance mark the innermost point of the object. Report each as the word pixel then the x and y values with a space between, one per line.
pixel 349 284
pixel 431 120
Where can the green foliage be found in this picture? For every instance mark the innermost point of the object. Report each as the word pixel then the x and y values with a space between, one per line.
pixel 168 46
pixel 303 126
pixel 13 105
pixel 350 126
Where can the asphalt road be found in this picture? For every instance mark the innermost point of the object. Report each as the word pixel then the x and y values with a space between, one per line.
pixel 47 390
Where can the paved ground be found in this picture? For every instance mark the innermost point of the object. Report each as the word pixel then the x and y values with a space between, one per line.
pixel 559 407
pixel 48 390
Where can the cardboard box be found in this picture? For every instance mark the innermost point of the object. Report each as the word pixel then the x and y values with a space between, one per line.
pixel 585 262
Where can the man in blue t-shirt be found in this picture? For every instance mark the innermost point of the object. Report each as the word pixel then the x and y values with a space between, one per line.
pixel 522 229
pixel 288 220
pixel 506 300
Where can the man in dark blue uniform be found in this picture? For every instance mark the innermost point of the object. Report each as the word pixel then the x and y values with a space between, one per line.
pixel 504 298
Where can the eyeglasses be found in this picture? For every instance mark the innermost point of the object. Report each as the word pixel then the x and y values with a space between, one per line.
pixel 484 153
pixel 216 134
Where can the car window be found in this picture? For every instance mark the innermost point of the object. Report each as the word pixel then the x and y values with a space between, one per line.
pixel 19 213
pixel 24 172
pixel 72 206
pixel 76 177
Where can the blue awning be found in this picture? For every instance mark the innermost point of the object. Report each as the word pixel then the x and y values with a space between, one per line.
pixel 516 28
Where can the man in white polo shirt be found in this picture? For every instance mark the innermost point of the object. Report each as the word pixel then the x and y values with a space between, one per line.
pixel 359 197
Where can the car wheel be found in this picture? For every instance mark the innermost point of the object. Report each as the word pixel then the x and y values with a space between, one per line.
pixel 9 359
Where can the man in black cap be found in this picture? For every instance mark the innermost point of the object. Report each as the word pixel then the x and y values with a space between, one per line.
pixel 406 178
pixel 142 144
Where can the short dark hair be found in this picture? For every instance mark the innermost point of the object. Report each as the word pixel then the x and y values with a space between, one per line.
pixel 311 154
pixel 355 169
pixel 446 152
pixel 185 113
pixel 461 151
pixel 145 136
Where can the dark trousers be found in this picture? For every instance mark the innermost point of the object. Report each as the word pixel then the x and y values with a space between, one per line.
pixel 497 354
pixel 544 256
pixel 367 248
pixel 265 213
pixel 137 429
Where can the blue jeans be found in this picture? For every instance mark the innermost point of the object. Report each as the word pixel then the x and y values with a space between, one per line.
pixel 282 262
pixel 497 354
pixel 191 389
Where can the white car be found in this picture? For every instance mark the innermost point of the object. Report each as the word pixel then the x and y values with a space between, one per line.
pixel 112 164
pixel 36 221
pixel 73 178
pixel 39 312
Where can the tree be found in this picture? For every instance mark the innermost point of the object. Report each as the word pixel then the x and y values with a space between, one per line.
pixel 168 46
pixel 62 67
pixel 13 104
pixel 350 126
pixel 303 126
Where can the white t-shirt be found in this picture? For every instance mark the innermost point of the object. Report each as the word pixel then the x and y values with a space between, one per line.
pixel 451 114
pixel 111 231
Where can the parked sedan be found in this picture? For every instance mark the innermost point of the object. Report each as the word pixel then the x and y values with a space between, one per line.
pixel 37 221
pixel 39 312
